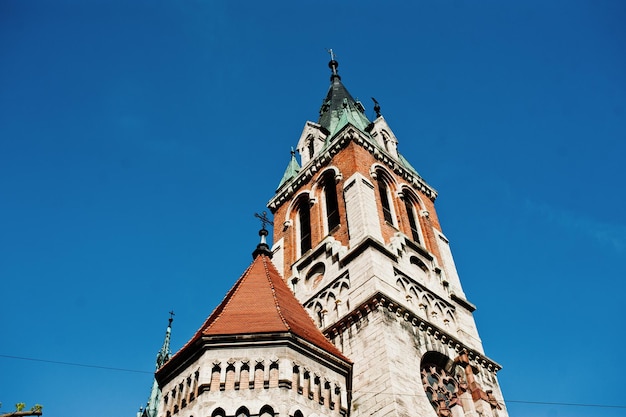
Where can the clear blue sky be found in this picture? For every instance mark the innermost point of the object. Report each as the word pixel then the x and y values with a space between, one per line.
pixel 137 139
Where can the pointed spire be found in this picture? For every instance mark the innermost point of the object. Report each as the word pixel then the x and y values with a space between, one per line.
pixel 339 108
pixel 165 353
pixel 293 168
pixel 162 357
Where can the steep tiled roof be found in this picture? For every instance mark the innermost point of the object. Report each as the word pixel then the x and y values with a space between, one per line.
pixel 261 302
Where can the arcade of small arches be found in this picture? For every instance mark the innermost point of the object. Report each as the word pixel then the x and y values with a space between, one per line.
pixel 430 306
pixel 401 207
pixel 265 411
pixel 182 394
pixel 238 375
pixel 331 302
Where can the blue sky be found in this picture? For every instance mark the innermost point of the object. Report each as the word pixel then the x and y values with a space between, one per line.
pixel 138 138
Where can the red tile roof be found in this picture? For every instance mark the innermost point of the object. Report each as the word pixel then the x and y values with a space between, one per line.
pixel 261 302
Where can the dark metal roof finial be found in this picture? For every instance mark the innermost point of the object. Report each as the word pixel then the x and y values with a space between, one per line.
pixel 263 247
pixel 333 64
pixel 376 107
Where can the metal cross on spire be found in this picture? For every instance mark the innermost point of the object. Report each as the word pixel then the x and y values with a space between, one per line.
pixel 262 247
pixel 264 219
pixel 333 64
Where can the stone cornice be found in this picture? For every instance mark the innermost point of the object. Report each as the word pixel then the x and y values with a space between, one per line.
pixel 379 301
pixel 463 302
pixel 340 141
pixel 173 367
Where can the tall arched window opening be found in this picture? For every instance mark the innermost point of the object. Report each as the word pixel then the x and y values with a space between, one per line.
pixel 304 225
pixel 383 190
pixel 413 221
pixel 332 206
pixel 311 147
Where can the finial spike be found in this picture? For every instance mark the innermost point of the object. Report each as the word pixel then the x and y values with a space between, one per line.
pixel 263 247
pixel 376 107
pixel 333 64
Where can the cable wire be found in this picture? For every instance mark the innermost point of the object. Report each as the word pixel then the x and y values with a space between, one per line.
pixel 110 368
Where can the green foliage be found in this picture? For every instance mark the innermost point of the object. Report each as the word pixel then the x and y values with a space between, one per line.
pixel 37 408
pixel 20 406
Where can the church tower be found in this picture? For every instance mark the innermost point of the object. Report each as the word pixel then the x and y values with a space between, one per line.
pixel 357 238
pixel 357 310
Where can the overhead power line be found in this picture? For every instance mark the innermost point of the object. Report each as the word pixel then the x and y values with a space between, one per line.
pixel 567 404
pixel 110 368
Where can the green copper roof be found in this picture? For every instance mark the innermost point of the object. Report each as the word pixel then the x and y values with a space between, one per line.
pixel 406 164
pixel 292 169
pixel 152 407
pixel 339 108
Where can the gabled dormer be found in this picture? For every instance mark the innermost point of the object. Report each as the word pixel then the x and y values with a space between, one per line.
pixel 312 142
pixel 384 136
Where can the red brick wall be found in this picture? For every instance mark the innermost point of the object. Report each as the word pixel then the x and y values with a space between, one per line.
pixel 353 158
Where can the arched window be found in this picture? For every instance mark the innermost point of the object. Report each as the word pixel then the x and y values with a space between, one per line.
pixel 219 412
pixel 304 225
pixel 266 411
pixel 332 206
pixel 311 147
pixel 385 197
pixel 411 212
pixel 259 375
pixel 244 376
pixel 215 378
pixel 315 275
pixel 386 140
pixel 242 412
pixel 440 383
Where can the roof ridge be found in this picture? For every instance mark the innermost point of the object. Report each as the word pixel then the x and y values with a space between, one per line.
pixel 276 303
pixel 226 300
pixel 219 309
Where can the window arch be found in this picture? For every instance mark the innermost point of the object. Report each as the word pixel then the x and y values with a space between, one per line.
pixel 386 140
pixel 266 411
pixel 242 412
pixel 219 412
pixel 310 146
pixel 384 192
pixel 315 275
pixel 414 260
pixel 440 381
pixel 304 224
pixel 410 211
pixel 331 203
pixel 412 206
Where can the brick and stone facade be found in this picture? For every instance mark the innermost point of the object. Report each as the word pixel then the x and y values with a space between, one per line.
pixel 382 285
pixel 370 319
